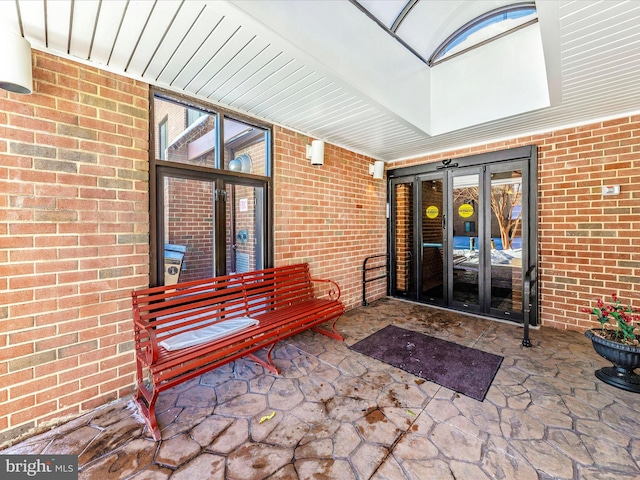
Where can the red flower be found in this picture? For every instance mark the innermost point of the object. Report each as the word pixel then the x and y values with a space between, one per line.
pixel 621 315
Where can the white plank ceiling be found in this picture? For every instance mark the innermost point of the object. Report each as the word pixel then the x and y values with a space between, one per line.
pixel 250 57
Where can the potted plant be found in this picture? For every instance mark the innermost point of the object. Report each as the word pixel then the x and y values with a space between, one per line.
pixel 618 344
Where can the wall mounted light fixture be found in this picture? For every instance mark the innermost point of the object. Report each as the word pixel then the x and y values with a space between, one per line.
pixel 15 63
pixel 315 152
pixel 242 163
pixel 377 169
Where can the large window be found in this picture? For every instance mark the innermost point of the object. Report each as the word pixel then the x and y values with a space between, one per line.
pixel 485 28
pixel 209 192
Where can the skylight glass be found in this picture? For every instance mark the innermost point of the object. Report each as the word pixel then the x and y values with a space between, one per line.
pixel 485 28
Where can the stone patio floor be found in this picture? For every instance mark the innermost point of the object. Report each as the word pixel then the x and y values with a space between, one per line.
pixel 342 415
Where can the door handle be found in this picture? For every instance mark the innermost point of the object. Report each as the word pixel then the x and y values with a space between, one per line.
pixel 444 222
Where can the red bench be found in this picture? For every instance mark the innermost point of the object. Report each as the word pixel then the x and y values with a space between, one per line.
pixel 182 330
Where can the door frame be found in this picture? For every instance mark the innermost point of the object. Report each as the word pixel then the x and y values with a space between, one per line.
pixel 529 157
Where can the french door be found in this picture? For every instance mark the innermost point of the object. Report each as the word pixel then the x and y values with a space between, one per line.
pixel 464 236
pixel 211 225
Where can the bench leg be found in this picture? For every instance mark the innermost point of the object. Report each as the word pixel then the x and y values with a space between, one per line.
pixel 333 333
pixel 269 365
pixel 148 412
pixel 145 399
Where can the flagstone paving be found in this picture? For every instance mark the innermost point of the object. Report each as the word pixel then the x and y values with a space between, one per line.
pixel 341 415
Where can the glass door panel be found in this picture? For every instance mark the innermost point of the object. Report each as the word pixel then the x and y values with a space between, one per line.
pixel 466 247
pixel 402 241
pixel 432 213
pixel 506 241
pixel 245 230
pixel 188 229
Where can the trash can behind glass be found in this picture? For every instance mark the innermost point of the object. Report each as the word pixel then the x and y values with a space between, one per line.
pixel 173 256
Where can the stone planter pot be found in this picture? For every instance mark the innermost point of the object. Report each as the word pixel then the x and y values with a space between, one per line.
pixel 625 359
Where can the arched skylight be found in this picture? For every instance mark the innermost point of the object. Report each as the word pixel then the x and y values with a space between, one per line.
pixel 485 28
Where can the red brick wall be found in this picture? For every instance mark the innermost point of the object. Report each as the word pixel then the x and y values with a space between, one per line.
pixel 589 244
pixel 331 216
pixel 73 241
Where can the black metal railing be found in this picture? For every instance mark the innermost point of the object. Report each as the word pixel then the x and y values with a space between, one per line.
pixel 366 269
pixel 529 300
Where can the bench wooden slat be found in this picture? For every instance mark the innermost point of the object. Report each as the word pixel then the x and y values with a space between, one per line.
pixel 281 299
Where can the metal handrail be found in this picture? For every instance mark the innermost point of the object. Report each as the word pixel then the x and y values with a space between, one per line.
pixel 366 280
pixel 530 282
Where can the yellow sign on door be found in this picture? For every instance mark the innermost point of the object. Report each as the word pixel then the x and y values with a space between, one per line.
pixel 465 210
pixel 432 211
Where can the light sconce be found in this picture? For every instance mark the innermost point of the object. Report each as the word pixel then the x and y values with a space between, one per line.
pixel 315 152
pixel 15 63
pixel 241 163
pixel 377 170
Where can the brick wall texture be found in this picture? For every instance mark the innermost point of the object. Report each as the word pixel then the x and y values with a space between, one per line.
pixel 74 230
pixel 331 216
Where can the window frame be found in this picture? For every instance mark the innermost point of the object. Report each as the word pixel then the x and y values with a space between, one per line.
pixel 436 56
pixel 158 168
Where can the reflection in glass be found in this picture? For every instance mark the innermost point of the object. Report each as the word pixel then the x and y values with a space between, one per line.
pixel 466 242
pixel 432 240
pixel 404 243
pixel 506 245
pixel 188 226
pixel 244 235
pixel 245 147
pixel 184 134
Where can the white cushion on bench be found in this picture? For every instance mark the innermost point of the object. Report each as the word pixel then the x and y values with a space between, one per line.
pixel 203 335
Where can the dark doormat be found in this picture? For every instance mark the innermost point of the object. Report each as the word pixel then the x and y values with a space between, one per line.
pixel 462 369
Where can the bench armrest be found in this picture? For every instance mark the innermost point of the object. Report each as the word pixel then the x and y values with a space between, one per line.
pixel 333 290
pixel 150 350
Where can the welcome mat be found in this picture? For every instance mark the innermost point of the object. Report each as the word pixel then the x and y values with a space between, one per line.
pixel 465 370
